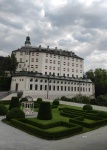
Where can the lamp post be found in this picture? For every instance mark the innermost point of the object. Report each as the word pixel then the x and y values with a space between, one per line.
pixel 48 87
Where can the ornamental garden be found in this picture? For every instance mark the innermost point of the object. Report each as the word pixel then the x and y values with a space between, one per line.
pixel 51 120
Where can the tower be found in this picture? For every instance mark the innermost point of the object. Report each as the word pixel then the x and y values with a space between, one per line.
pixel 27 42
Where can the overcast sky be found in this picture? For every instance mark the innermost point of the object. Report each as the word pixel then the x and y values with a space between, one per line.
pixel 76 25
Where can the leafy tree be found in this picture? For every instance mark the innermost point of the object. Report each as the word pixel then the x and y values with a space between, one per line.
pixel 99 78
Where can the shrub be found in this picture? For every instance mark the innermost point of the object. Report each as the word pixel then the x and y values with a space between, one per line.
pixel 3 109
pixel 14 103
pixel 102 100
pixel 45 111
pixel 102 114
pixel 15 113
pixel 24 99
pixel 39 99
pixel 87 107
pixel 19 94
pixel 56 102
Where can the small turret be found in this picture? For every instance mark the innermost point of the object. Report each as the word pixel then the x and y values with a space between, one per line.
pixel 27 42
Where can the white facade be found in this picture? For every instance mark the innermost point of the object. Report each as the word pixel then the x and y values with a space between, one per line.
pixel 49 61
pixel 50 87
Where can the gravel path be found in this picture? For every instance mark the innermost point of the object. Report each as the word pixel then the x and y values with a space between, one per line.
pixel 14 139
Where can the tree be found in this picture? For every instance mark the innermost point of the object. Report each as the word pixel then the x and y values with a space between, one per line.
pixel 99 78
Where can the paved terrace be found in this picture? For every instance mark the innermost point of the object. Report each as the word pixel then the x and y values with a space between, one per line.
pixel 14 139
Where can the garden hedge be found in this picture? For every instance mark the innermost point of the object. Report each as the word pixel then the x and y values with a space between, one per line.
pixel 14 103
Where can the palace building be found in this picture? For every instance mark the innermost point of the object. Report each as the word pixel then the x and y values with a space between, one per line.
pixel 49 72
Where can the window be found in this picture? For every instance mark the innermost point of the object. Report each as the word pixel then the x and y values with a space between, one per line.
pixel 68 88
pixel 36 66
pixel 58 68
pixel 21 53
pixel 65 88
pixel 61 88
pixel 74 88
pixel 57 81
pixel 76 76
pixel 45 81
pixel 53 68
pixel 50 61
pixel 32 53
pixel 58 57
pixel 26 60
pixel 68 63
pixel 54 56
pixel 76 65
pixel 89 89
pixel 31 80
pixel 72 64
pixel 36 59
pixel 40 87
pixel 71 88
pixel 76 60
pixel 80 66
pixel 37 54
pixel 63 69
pixel 62 82
pixel 32 66
pixel 57 88
pixel 20 59
pixel 53 88
pixel 57 74
pixel 58 62
pixel 46 60
pixel 19 65
pixel 31 86
pixel 45 67
pixel 76 71
pixel 68 69
pixel 50 67
pixel 32 60
pixel 53 73
pixel 67 75
pixel 36 87
pixel 45 87
pixel 45 73
pixel 72 70
pixel 49 87
pixel 80 71
pixel 78 88
pixel 64 58
pixel 41 80
pixel 64 63
pixel 83 89
pixel 68 58
pixel 72 59
pixel 51 55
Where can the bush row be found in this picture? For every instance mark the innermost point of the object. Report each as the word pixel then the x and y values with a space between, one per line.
pixel 44 133
pixel 89 125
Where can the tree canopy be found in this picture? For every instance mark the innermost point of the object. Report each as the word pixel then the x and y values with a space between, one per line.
pixel 8 63
pixel 99 78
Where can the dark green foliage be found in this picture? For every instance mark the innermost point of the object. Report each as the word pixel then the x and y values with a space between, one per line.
pixel 15 113
pixel 39 99
pixel 33 129
pixel 19 94
pixel 87 107
pixel 14 103
pixel 6 102
pixel 56 102
pixel 102 100
pixel 45 111
pixel 3 109
pixel 24 99
pixel 5 83
pixel 102 114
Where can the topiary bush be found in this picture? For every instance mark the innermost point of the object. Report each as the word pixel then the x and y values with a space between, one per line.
pixel 14 103
pixel 45 112
pixel 102 114
pixel 24 99
pixel 39 99
pixel 3 109
pixel 56 102
pixel 15 113
pixel 87 107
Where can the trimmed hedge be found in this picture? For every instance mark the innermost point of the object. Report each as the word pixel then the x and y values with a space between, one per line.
pixel 72 129
pixel 39 100
pixel 14 103
pixel 24 99
pixel 56 102
pixel 102 114
pixel 3 109
pixel 15 113
pixel 87 107
pixel 45 112
pixel 6 102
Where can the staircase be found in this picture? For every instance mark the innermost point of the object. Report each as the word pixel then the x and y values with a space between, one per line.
pixel 4 94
